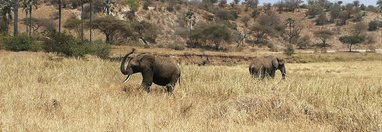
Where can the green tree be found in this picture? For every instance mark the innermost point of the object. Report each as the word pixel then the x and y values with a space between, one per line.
pixel 110 25
pixel 314 9
pixel 373 25
pixel 144 31
pixel 324 35
pixel 335 11
pixel 303 42
pixel 206 33
pixel 352 40
pixel 322 19
pixel 359 29
pixel 73 23
pixel 260 31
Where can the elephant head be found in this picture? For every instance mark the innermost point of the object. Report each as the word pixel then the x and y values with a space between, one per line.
pixel 132 65
pixel 279 64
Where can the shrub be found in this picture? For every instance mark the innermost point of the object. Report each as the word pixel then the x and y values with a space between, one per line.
pixel 22 42
pixel 272 47
pixel 303 42
pixel 314 9
pixel 373 25
pixel 97 48
pixel 176 46
pixel 66 44
pixel 1 41
pixel 60 43
pixel 321 19
pixel 289 51
pixel 146 5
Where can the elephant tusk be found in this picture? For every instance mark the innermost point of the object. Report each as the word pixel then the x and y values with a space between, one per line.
pixel 127 79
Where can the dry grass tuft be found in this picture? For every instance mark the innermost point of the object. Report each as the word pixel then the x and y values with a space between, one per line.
pixel 43 92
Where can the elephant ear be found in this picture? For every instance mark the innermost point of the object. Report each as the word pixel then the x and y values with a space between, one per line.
pixel 280 60
pixel 275 63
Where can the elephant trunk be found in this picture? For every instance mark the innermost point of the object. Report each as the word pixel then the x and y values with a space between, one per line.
pixel 283 72
pixel 123 69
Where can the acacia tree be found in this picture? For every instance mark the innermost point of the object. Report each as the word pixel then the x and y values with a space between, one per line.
pixel 144 31
pixel 110 25
pixel 324 35
pixel 260 31
pixel 204 34
pixel 352 40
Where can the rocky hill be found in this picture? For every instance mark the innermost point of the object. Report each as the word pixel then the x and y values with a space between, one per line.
pixel 173 27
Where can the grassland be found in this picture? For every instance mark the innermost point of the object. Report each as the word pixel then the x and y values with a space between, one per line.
pixel 44 92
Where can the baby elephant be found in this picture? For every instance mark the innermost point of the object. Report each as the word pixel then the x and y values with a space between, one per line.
pixel 267 66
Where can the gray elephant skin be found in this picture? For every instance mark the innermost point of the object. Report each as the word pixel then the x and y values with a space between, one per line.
pixel 267 67
pixel 162 71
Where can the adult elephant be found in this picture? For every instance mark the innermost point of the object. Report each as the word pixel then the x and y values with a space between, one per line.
pixel 159 70
pixel 267 66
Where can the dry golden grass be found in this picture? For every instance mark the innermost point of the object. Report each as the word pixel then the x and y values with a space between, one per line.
pixel 43 92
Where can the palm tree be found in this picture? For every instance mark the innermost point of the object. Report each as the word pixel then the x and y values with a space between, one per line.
pixel 16 15
pixel 59 15
pixel 91 13
pixel 6 10
pixel 82 21
pixel 27 6
pixel 379 5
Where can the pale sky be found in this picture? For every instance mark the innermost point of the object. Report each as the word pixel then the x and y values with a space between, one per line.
pixel 366 2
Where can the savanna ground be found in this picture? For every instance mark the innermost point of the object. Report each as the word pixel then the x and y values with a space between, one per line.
pixel 45 92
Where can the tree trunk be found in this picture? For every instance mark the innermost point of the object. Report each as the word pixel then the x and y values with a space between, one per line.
pixel 91 21
pixel 16 16
pixel 27 21
pixel 108 7
pixel 350 45
pixel 144 41
pixel 59 16
pixel 82 22
pixel 30 20
pixel 108 38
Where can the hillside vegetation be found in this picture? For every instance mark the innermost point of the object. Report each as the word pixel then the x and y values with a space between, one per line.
pixel 45 92
pixel 213 25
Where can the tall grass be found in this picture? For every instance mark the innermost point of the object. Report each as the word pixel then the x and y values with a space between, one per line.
pixel 41 92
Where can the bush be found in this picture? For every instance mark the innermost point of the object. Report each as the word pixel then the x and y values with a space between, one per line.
pixel 66 44
pixel 289 51
pixel 272 47
pixel 146 5
pixel 1 41
pixel 373 25
pixel 176 46
pixel 97 48
pixel 22 42
pixel 303 42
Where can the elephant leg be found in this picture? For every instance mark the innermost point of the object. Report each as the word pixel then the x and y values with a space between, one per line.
pixel 147 81
pixel 272 74
pixel 169 88
pixel 146 87
pixel 263 74
pixel 171 85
